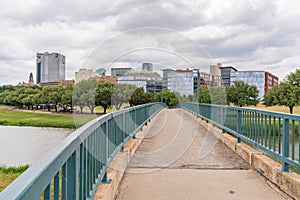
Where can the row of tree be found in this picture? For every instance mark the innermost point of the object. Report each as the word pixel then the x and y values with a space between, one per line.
pixel 36 97
pixel 92 93
pixel 87 94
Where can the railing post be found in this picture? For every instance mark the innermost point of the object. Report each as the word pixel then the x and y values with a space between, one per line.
pixel 47 193
pixel 64 182
pixel 123 132
pixel 223 119
pixel 72 177
pixel 285 145
pixel 105 180
pixel 135 124
pixel 56 186
pixel 258 128
pixel 239 125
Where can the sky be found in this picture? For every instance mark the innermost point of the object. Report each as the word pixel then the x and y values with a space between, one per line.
pixel 246 34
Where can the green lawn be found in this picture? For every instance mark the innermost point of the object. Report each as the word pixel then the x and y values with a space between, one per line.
pixel 18 118
pixel 8 175
pixel 283 109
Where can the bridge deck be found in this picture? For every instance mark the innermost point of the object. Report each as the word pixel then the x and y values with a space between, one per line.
pixel 178 159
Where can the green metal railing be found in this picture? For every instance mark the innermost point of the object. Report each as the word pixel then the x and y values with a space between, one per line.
pixel 74 168
pixel 275 133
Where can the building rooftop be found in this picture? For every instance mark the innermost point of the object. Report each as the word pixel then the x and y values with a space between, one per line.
pixel 228 67
pixel 143 73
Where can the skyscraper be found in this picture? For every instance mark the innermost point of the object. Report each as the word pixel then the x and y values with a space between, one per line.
pixel 50 67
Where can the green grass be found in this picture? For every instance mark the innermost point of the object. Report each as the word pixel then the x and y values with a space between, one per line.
pixel 9 174
pixel 282 109
pixel 18 118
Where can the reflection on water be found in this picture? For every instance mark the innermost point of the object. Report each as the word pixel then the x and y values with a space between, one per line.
pixel 24 145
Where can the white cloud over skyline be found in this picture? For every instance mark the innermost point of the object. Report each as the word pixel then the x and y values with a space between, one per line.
pixel 247 34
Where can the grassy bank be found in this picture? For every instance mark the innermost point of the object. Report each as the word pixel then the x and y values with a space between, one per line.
pixel 9 174
pixel 18 118
pixel 283 109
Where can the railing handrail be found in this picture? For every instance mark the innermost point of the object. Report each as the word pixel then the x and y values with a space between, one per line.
pixel 267 112
pixel 40 174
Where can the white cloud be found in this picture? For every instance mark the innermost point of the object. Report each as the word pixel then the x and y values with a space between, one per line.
pixel 254 34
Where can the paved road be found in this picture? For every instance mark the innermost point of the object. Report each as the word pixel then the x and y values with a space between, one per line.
pixel 178 159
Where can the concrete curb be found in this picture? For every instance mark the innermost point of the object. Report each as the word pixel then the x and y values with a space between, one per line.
pixel 288 182
pixel 118 166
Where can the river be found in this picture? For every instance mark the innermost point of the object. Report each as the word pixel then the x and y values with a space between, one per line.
pixel 25 145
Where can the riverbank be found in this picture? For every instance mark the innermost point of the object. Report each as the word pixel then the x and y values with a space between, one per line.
pixel 10 117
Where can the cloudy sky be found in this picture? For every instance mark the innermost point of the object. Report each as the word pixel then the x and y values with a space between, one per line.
pixel 247 34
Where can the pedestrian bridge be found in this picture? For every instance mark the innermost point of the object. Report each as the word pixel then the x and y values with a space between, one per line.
pixel 185 153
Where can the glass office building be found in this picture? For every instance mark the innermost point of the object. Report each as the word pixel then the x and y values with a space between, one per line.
pixel 256 78
pixel 181 81
pixel 185 82
pixel 226 74
pixel 50 67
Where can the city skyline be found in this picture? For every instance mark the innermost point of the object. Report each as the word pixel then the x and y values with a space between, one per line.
pixel 254 35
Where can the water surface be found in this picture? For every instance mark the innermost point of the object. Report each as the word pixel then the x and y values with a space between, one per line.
pixel 25 145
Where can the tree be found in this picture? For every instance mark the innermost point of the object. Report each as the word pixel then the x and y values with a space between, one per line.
pixel 84 94
pixel 242 94
pixel 121 94
pixel 51 96
pixel 103 95
pixel 139 96
pixel 3 95
pixel 66 98
pixel 21 97
pixel 286 93
pixel 28 97
pixel 15 97
pixel 167 97
pixel 7 88
pixel 204 96
pixel 218 95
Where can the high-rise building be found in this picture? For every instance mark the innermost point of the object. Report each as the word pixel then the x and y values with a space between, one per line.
pixel 264 81
pixel 166 73
pixel 50 67
pixel 225 75
pixel 147 67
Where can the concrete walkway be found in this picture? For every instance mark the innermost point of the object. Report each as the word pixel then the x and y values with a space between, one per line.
pixel 178 159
